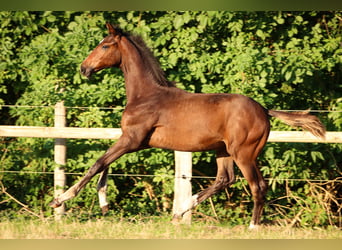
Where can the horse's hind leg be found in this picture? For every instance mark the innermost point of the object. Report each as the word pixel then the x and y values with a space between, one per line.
pixel 257 185
pixel 224 178
pixel 101 190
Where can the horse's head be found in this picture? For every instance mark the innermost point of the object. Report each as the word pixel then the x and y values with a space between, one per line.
pixel 107 54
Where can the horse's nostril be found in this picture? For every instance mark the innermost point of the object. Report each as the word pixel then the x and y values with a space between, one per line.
pixel 83 70
pixel 86 71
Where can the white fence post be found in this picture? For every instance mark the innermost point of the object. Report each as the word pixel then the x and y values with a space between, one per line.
pixel 182 189
pixel 60 158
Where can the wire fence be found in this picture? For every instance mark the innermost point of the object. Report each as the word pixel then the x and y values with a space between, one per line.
pixel 339 179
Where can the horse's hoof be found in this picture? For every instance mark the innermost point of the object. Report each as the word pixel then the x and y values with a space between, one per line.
pixel 104 209
pixel 55 203
pixel 253 227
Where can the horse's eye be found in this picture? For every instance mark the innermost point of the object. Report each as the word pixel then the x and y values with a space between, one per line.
pixel 105 46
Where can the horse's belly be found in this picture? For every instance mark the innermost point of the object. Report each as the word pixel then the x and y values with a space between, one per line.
pixel 190 141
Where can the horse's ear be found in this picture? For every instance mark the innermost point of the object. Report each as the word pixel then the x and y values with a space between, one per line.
pixel 114 30
pixel 111 29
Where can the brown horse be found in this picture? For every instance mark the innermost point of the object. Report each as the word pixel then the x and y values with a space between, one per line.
pixel 160 115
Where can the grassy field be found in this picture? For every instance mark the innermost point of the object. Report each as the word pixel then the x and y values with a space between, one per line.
pixel 150 228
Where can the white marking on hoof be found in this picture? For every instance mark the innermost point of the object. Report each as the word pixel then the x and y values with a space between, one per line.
pixel 102 197
pixel 189 204
pixel 194 199
pixel 252 226
pixel 103 202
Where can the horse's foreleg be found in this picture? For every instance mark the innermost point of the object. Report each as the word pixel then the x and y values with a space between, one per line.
pixel 124 145
pixel 225 177
pixel 101 190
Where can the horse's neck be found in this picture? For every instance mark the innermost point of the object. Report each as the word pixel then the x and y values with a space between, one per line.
pixel 138 80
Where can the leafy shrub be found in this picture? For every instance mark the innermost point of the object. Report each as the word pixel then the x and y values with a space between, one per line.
pixel 284 60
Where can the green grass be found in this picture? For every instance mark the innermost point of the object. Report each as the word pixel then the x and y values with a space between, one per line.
pixel 150 228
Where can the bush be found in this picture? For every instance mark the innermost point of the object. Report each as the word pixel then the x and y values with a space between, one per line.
pixel 284 60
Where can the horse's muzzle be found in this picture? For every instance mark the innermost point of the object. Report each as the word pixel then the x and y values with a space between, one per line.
pixel 87 71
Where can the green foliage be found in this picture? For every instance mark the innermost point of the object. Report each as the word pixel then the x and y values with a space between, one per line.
pixel 284 60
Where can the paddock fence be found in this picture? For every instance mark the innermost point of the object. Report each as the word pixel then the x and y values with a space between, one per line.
pixel 183 160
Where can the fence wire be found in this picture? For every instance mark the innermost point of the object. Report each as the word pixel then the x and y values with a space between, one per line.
pixel 339 179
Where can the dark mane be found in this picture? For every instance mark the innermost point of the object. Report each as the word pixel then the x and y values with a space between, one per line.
pixel 150 60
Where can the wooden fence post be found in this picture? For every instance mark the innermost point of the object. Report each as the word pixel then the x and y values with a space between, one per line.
pixel 60 158
pixel 182 189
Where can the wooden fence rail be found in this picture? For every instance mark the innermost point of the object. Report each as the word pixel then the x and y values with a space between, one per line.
pixel 115 133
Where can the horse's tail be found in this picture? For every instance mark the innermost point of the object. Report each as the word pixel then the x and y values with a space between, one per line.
pixel 301 119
